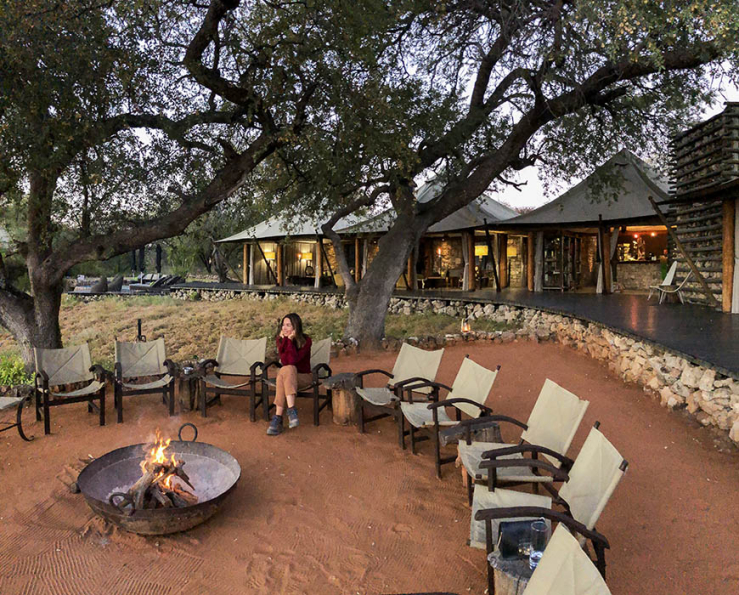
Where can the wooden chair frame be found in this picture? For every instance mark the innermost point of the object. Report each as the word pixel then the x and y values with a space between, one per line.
pixel 255 375
pixel 166 391
pixel 44 400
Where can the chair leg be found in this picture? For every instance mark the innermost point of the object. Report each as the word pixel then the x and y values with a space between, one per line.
pixel 360 417
pixel 38 405
pixel 19 422
pixel 401 428
pixel 470 489
pixel 252 401
pixel 265 401
pixel 119 403
pixel 170 390
pixel 413 438
pixel 102 406
pixel 316 412
pixel 47 421
pixel 203 399
pixel 437 451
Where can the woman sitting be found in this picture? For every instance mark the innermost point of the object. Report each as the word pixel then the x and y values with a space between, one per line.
pixel 294 349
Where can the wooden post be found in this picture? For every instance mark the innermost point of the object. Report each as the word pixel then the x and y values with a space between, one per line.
pixel 245 265
pixel 706 290
pixel 409 273
pixel 251 264
pixel 471 253
pixel 357 261
pixel 280 266
pixel 503 259
pixel 491 253
pixel 539 262
pixel 319 262
pixel 530 253
pixel 607 277
pixel 727 265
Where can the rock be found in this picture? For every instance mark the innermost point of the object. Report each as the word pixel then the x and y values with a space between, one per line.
pixel 507 337
pixel 691 376
pixel 654 383
pixel 734 432
pixel 706 381
pixel 693 401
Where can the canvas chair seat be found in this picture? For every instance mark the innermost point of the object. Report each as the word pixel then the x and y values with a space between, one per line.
pixel 471 456
pixel 381 397
pixel 90 389
pixel 500 498
pixel 161 383
pixel 7 403
pixel 565 569
pixel 552 423
pixel 213 380
pixel 419 415
pixel 69 365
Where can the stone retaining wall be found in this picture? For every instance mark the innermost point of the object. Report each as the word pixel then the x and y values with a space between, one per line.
pixel 711 397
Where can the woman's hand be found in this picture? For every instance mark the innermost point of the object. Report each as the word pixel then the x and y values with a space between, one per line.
pixel 291 336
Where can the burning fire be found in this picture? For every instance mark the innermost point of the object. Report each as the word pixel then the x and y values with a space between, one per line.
pixel 156 459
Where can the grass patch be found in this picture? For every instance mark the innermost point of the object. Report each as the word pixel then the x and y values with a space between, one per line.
pixel 192 329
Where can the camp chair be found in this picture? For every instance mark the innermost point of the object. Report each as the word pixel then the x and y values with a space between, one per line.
pixel 565 569
pixel 144 358
pixel 549 431
pixel 666 282
pixel 320 356
pixel 235 357
pixel 58 367
pixel 411 366
pixel 589 485
pixel 665 291
pixel 468 394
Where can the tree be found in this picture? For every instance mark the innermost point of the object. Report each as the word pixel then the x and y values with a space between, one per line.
pixel 474 91
pixel 122 122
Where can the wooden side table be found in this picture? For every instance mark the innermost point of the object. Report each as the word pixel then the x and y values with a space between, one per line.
pixel 510 575
pixel 344 399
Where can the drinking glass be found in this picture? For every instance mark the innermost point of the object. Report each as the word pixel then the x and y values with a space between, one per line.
pixel 539 537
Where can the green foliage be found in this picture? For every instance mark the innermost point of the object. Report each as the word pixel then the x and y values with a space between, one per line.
pixel 13 370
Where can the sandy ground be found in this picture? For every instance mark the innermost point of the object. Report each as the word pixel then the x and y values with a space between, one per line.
pixel 327 510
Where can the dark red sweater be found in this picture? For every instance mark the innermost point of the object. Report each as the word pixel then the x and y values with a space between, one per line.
pixel 290 355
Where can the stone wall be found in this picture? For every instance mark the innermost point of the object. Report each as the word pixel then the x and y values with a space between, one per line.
pixel 712 398
pixel 639 275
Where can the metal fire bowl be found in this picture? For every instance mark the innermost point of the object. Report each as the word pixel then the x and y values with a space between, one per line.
pixel 212 471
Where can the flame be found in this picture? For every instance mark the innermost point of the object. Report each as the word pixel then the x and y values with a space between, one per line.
pixel 156 457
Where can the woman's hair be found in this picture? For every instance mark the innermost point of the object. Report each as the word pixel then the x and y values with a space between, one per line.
pixel 297 325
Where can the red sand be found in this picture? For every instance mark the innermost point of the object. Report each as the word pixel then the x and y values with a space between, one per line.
pixel 326 510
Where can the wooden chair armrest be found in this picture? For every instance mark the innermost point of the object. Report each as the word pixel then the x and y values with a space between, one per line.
pixel 492 418
pixel 450 402
pixel 171 368
pixel 490 514
pixel 364 373
pixel 524 448
pixel 204 363
pixel 101 374
pixel 556 472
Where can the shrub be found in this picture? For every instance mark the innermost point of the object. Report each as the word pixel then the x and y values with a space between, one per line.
pixel 13 371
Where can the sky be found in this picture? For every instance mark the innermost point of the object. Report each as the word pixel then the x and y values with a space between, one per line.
pixel 532 194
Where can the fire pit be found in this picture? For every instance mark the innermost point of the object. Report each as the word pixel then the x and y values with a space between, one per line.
pixel 211 472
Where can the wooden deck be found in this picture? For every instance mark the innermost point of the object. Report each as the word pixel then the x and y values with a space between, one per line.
pixel 702 335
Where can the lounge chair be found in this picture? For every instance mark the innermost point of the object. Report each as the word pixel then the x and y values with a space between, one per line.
pixel 320 357
pixel 236 358
pixel 100 286
pixel 565 569
pixel 116 284
pixel 666 282
pixel 672 290
pixel 549 431
pixel 411 366
pixel 58 367
pixel 138 360
pixel 589 485
pixel 467 395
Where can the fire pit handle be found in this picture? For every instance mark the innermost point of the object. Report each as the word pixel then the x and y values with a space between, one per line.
pixel 125 499
pixel 179 433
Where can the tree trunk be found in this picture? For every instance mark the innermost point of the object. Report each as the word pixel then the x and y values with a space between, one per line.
pixel 369 300
pixel 33 321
